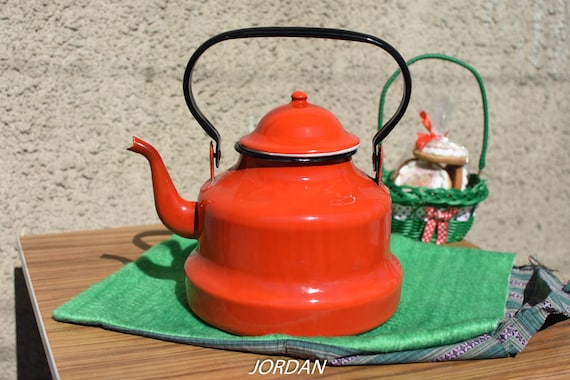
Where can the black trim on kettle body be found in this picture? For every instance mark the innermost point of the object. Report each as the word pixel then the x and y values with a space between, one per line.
pixel 325 33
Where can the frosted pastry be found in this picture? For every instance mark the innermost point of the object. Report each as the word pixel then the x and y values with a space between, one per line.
pixel 442 151
pixel 418 173
pixel 435 147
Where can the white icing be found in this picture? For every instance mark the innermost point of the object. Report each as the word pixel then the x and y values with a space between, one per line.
pixel 445 147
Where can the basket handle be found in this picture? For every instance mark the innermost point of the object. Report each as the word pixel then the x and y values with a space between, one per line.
pixel 481 88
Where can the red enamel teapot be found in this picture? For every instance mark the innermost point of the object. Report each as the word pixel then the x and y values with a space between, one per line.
pixel 293 239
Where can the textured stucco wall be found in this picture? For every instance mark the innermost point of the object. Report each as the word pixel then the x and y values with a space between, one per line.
pixel 79 78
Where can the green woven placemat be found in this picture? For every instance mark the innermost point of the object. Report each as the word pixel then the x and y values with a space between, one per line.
pixel 448 295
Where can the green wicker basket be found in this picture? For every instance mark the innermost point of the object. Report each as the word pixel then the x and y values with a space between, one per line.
pixel 412 204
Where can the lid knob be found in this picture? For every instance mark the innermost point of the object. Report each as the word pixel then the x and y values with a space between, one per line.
pixel 299 99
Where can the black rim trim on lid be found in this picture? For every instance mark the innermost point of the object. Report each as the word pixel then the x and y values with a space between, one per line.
pixel 288 158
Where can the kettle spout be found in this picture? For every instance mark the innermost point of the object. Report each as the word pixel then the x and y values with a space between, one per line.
pixel 176 213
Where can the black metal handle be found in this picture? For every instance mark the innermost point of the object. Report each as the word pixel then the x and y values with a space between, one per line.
pixel 335 34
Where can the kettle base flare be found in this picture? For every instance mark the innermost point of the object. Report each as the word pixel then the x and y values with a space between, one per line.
pixel 257 307
pixel 294 238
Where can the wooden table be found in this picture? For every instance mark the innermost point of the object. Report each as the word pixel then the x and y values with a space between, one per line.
pixel 57 267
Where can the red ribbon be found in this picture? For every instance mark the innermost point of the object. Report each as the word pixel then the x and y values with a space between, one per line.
pixel 438 220
pixel 424 138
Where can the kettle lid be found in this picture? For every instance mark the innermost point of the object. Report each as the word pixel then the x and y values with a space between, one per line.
pixel 299 131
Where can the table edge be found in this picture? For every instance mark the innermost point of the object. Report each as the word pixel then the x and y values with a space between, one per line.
pixel 37 314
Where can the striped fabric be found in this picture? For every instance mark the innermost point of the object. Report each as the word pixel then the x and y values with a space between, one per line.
pixel 535 294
